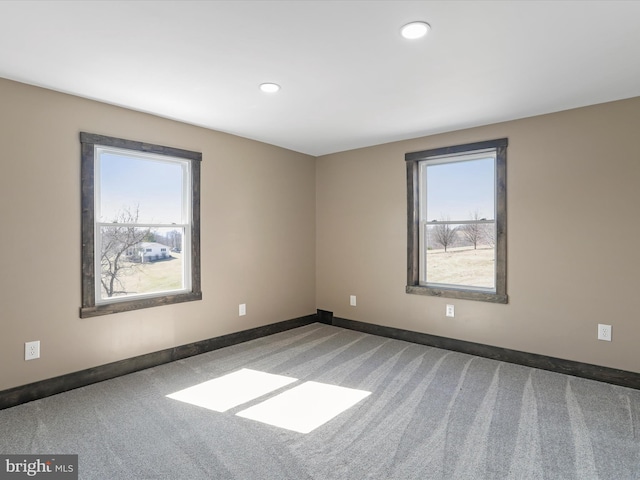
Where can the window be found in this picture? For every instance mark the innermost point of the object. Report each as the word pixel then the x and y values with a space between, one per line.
pixel 456 198
pixel 140 225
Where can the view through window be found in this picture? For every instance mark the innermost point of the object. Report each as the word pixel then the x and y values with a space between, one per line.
pixel 457 219
pixel 142 212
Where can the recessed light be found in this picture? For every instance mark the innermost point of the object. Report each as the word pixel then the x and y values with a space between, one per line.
pixel 269 87
pixel 415 30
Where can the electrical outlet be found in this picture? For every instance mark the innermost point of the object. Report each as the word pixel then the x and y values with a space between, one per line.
pixel 32 350
pixel 450 311
pixel 352 300
pixel 604 332
pixel 242 309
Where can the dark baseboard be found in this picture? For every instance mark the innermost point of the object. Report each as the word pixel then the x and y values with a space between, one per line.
pixel 325 316
pixel 559 365
pixel 45 388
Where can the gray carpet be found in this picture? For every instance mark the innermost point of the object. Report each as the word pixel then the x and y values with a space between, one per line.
pixel 432 414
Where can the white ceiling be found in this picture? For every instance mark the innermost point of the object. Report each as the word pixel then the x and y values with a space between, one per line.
pixel 348 78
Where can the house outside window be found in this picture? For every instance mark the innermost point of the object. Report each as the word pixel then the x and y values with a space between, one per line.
pixel 456 206
pixel 140 225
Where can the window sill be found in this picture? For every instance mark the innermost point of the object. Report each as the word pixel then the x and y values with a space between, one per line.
pixel 126 306
pixel 457 293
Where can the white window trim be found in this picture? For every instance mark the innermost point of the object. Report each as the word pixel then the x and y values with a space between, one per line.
pixel 424 221
pixel 185 227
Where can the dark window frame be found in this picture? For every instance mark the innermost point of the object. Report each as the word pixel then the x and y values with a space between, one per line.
pixel 413 161
pixel 89 307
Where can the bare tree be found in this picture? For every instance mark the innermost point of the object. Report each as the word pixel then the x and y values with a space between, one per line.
pixel 444 234
pixel 174 239
pixel 473 232
pixel 489 234
pixel 118 241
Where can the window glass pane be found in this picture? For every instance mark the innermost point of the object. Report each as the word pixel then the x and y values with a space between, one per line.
pixel 461 190
pixel 138 261
pixel 460 254
pixel 147 189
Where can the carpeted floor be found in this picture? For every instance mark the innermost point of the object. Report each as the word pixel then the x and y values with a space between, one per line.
pixel 431 414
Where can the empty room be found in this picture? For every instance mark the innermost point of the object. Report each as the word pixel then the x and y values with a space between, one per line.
pixel 319 240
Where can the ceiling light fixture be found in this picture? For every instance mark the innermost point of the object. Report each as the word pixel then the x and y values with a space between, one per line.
pixel 269 87
pixel 415 30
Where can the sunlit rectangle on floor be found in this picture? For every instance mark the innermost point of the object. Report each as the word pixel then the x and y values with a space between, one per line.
pixel 228 391
pixel 306 407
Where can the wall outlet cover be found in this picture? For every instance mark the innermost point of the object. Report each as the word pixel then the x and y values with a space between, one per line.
pixel 32 350
pixel 604 332
pixel 450 311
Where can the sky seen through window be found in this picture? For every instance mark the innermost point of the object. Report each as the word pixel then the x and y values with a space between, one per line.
pixel 154 187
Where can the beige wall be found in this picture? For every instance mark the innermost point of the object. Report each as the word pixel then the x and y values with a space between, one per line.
pixel 573 201
pixel 286 233
pixel 258 236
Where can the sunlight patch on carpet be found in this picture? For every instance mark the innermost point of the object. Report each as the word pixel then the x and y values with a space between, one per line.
pixel 228 391
pixel 306 407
